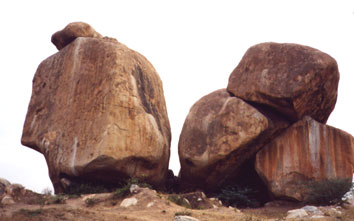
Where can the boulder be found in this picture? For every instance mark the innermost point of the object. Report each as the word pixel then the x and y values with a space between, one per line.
pixel 98 113
pixel 72 31
pixel 219 134
pixel 307 151
pixel 296 80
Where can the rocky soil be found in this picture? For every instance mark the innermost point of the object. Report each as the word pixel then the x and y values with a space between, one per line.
pixel 139 203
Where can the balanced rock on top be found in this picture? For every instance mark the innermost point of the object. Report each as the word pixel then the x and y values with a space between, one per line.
pixel 72 31
pixel 295 80
pixel 98 113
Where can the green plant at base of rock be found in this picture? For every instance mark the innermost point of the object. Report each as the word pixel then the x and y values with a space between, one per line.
pixel 59 199
pixel 125 189
pixel 327 192
pixel 86 188
pixel 90 202
pixel 179 200
pixel 238 197
pixel 121 192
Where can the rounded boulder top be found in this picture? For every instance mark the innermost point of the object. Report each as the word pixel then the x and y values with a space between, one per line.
pixel 293 79
pixel 72 31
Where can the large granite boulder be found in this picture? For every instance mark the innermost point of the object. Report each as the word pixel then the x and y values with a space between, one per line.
pixel 219 134
pixel 293 79
pixel 98 113
pixel 308 151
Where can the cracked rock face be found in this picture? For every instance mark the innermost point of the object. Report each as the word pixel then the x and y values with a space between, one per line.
pixel 97 112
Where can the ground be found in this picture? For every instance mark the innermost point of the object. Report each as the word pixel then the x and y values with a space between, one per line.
pixel 151 205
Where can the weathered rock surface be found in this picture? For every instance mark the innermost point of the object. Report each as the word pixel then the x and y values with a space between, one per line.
pixel 294 79
pixel 72 31
pixel 97 112
pixel 306 151
pixel 219 134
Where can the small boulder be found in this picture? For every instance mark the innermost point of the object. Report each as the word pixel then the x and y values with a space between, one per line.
pixel 296 214
pixel 134 188
pixel 129 202
pixel 72 31
pixel 15 190
pixel 7 200
pixel 150 204
pixel 294 79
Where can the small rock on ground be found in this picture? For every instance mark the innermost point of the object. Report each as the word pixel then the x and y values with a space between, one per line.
pixel 129 202
pixel 185 218
pixel 296 213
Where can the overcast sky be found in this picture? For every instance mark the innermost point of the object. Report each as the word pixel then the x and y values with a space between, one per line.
pixel 193 45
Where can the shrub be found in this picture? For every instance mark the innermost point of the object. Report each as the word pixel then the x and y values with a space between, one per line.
pixel 125 189
pixel 86 188
pixel 179 200
pixel 91 202
pixel 327 192
pixel 121 192
pixel 59 199
pixel 47 191
pixel 237 196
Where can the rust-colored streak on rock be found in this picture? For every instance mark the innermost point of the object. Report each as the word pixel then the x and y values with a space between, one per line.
pixel 88 114
pixel 308 150
pixel 294 79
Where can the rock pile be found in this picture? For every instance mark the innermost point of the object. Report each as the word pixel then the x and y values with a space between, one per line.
pixel 97 112
pixel 273 111
pixel 11 193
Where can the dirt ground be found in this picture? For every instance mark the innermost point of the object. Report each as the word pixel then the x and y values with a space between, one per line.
pixel 150 205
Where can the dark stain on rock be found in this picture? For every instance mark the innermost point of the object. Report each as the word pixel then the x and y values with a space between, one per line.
pixel 146 93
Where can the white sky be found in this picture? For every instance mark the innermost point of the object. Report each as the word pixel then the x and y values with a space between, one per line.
pixel 193 45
